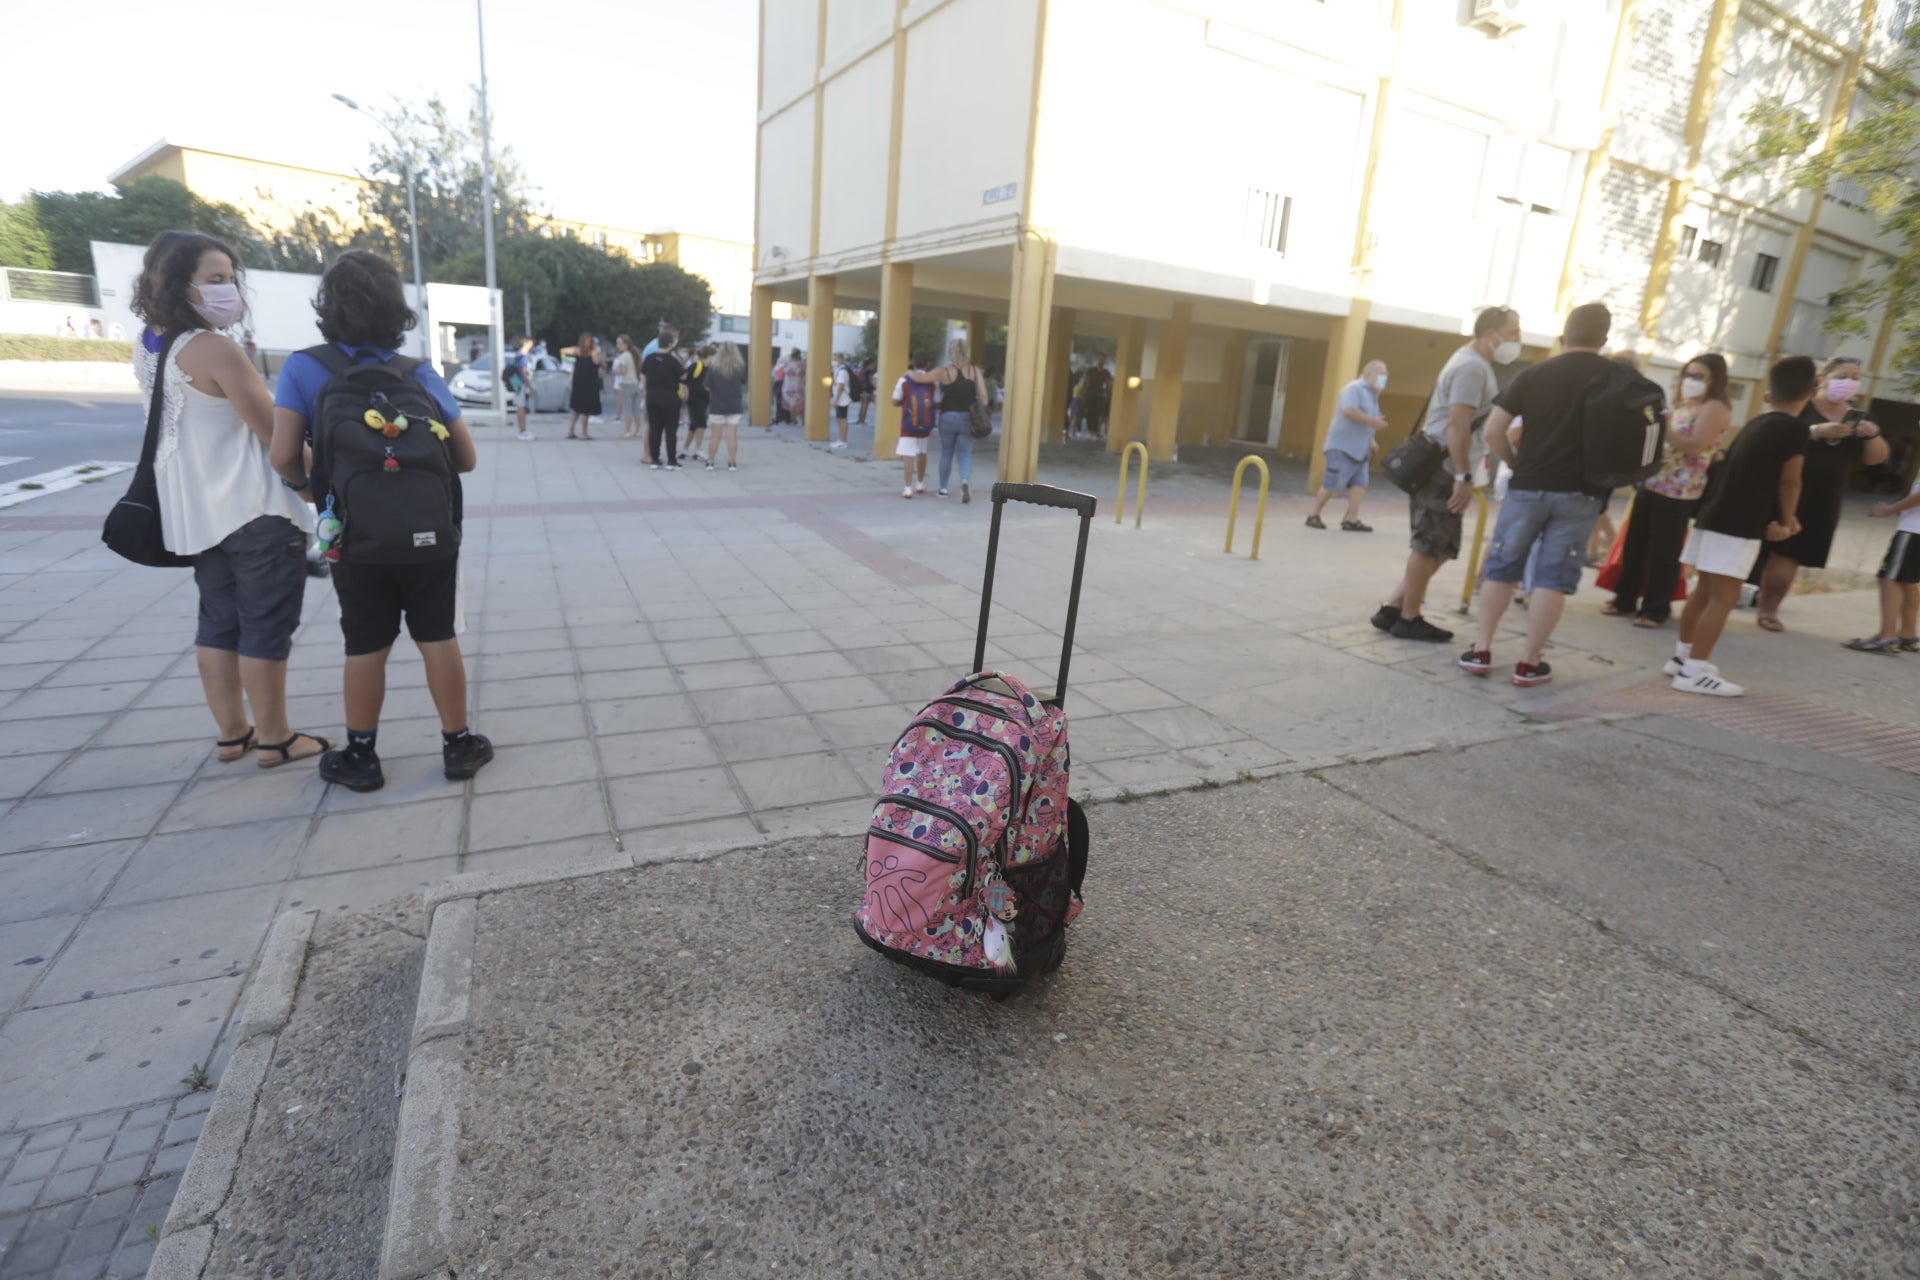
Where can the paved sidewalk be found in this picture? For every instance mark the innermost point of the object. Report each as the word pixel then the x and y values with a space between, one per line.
pixel 664 660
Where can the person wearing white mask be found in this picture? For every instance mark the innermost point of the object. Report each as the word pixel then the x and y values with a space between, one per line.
pixel 1839 438
pixel 1464 392
pixel 221 505
pixel 1350 445
pixel 1657 526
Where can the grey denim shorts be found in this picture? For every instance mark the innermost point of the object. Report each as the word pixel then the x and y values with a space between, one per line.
pixel 252 584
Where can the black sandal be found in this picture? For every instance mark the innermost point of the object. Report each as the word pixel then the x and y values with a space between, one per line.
pixel 244 742
pixel 1355 526
pixel 286 750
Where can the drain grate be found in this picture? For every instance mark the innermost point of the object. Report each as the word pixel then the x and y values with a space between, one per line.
pixel 1764 715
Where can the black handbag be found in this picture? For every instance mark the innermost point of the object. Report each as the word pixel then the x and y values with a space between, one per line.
pixel 980 413
pixel 1413 463
pixel 132 529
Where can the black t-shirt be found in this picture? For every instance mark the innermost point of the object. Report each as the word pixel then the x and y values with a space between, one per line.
pixel 1548 458
pixel 1829 462
pixel 1740 500
pixel 663 374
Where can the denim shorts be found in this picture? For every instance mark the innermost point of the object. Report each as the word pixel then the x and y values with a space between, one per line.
pixel 1560 523
pixel 252 584
pixel 1344 471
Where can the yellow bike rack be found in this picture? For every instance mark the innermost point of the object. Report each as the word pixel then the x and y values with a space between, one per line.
pixel 1473 560
pixel 1233 508
pixel 1140 495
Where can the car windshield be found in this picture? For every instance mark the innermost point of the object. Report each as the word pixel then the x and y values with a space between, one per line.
pixel 483 364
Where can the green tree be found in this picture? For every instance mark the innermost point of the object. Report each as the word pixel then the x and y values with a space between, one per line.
pixel 23 242
pixel 444 153
pixel 573 288
pixel 1878 157
pixel 135 213
pixel 924 333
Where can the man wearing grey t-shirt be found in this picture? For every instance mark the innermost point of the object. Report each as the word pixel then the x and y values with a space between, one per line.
pixel 1464 392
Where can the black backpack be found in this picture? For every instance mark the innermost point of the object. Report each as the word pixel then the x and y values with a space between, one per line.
pixel 393 487
pixel 1622 421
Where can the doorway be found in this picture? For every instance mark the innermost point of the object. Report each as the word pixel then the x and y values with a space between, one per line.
pixel 1263 391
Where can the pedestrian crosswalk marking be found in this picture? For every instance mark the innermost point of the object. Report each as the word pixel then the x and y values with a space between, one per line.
pixel 27 488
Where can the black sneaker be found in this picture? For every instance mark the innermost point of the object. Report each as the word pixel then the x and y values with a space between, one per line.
pixel 1528 674
pixel 1418 628
pixel 1385 617
pixel 464 758
pixel 353 769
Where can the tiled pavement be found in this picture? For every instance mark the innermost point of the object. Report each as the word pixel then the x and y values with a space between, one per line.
pixel 662 660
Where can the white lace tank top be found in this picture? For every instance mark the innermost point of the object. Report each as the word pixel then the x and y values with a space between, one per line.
pixel 212 471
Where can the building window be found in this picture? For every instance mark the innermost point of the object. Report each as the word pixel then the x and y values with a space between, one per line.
pixel 1268 218
pixel 729 324
pixel 1687 236
pixel 1764 267
pixel 1711 251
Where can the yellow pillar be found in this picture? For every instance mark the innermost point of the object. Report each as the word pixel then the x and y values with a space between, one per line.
pixel 1029 314
pixel 1059 375
pixel 1344 349
pixel 1124 408
pixel 977 336
pixel 1680 190
pixel 896 333
pixel 1169 371
pixel 760 357
pixel 1233 371
pixel 819 408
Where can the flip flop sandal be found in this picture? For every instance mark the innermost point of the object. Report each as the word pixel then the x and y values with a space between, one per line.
pixel 1767 622
pixel 1315 522
pixel 1873 644
pixel 1355 526
pixel 1644 621
pixel 1611 610
pixel 244 742
pixel 286 750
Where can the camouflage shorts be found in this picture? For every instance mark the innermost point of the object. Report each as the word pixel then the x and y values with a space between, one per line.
pixel 1436 530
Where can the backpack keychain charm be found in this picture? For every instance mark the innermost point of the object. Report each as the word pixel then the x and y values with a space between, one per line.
pixel 392 463
pixel 327 531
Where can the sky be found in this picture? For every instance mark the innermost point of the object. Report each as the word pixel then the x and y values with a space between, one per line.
pixel 573 93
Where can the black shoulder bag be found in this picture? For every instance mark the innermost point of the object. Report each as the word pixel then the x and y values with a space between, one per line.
pixel 132 529
pixel 1412 464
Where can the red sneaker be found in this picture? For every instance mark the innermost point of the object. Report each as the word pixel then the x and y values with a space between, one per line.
pixel 1476 662
pixel 1528 674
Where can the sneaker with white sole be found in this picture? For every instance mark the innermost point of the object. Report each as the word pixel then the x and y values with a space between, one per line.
pixel 920 486
pixel 526 435
pixel 1529 674
pixel 1674 666
pixel 906 491
pixel 1705 678
pixel 1476 662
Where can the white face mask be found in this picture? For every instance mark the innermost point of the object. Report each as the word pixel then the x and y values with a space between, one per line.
pixel 1379 381
pixel 1839 389
pixel 1506 353
pixel 219 304
pixel 1692 388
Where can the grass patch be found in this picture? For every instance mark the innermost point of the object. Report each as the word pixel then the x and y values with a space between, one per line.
pixel 31 484
pixel 45 347
pixel 88 470
pixel 196 1079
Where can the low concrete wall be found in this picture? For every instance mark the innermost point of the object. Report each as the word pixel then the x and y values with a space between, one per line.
pixel 67 375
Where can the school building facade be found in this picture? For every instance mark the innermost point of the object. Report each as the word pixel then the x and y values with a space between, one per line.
pixel 1250 198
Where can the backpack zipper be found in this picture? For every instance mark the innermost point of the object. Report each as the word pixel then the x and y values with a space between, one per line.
pixel 894 837
pixel 933 810
pixel 995 712
pixel 979 739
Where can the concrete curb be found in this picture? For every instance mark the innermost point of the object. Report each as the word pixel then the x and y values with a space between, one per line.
pixel 186 1240
pixel 420 1210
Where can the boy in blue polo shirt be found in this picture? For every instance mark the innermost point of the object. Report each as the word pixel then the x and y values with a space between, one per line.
pixel 364 314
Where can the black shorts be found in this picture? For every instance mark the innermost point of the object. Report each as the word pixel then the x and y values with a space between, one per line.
pixel 696 416
pixel 1902 562
pixel 251 585
pixel 840 411
pixel 373 598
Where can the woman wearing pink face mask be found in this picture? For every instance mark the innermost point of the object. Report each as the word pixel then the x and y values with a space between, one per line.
pixel 1839 438
pixel 220 501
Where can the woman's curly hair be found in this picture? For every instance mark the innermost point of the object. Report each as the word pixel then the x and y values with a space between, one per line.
pixel 160 292
pixel 362 303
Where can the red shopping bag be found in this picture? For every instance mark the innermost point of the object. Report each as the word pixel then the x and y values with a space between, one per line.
pixel 1609 576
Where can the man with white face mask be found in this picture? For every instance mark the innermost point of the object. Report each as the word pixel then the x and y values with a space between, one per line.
pixel 1350 445
pixel 1464 392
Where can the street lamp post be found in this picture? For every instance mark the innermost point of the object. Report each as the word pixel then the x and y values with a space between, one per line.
pixel 413 221
pixel 486 216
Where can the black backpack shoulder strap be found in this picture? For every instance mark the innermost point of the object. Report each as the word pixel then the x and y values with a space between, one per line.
pixel 403 365
pixel 329 357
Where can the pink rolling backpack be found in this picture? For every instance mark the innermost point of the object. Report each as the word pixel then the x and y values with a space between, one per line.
pixel 976 853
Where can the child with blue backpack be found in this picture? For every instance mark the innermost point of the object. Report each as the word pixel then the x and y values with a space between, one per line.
pixel 916 401
pixel 387 445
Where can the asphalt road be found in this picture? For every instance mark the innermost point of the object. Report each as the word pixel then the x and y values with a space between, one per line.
pixel 40 433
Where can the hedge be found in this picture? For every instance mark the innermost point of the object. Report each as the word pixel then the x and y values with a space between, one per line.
pixel 34 346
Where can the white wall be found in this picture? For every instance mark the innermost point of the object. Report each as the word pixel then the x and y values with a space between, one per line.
pixel 789 47
pixel 854 26
pixel 853 161
pixel 786 184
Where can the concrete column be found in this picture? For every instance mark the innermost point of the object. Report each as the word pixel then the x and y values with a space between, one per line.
pixel 760 357
pixel 896 335
pixel 1344 349
pixel 1169 371
pixel 1124 407
pixel 1233 371
pixel 1059 377
pixel 819 408
pixel 977 336
pixel 1029 316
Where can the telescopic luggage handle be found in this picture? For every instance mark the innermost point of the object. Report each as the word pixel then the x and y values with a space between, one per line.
pixel 1041 495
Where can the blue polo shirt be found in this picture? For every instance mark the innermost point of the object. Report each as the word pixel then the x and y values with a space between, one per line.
pixel 1343 433
pixel 301 378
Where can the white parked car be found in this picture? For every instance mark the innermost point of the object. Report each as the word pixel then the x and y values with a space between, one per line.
pixel 552 381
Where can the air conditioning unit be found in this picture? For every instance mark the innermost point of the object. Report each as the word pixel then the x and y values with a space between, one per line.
pixel 1499 17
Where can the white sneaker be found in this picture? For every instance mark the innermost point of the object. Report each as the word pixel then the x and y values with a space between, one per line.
pixel 731 467
pixel 838 444
pixel 1706 679
pixel 906 491
pixel 526 435
pixel 920 486
pixel 1674 666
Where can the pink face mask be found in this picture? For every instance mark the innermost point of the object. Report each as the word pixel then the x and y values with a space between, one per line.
pixel 1839 389
pixel 219 304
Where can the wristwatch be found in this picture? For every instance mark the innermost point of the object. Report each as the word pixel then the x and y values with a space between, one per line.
pixel 304 482
pixel 1465 477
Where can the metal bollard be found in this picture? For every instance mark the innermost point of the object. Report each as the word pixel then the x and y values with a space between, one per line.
pixel 1473 560
pixel 1233 508
pixel 1140 494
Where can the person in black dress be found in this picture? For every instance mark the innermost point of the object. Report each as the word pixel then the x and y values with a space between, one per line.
pixel 1834 448
pixel 585 400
